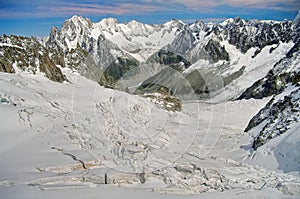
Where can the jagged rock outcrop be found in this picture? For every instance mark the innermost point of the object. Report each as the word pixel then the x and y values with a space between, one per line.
pixel 73 32
pixel 164 99
pixel 184 42
pixel 246 34
pixel 27 54
pixel 277 117
pixel 282 112
pixel 215 51
pixel 286 71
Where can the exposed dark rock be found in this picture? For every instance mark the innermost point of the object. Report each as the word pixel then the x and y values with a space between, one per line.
pixel 278 116
pixel 277 78
pixel 246 34
pixel 116 70
pixel 163 97
pixel 282 81
pixel 6 66
pixel 215 51
pixel 28 54
pixel 52 72
pixel 184 42
pixel 175 61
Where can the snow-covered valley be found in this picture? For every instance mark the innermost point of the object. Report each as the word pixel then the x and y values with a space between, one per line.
pixel 134 110
pixel 80 139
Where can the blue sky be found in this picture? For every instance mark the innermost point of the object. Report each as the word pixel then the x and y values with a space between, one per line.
pixel 36 17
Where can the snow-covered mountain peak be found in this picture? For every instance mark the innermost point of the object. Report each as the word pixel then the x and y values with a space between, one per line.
pixel 227 21
pixel 76 18
pixel 77 25
pixel 197 25
pixel 79 21
pixel 174 23
pixel 108 23
pixel 133 24
pixel 136 39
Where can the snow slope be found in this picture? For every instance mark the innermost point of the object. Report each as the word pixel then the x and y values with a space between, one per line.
pixel 70 139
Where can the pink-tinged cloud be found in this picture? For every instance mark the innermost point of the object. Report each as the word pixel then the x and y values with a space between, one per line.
pixel 64 9
pixel 267 4
pixel 263 4
pixel 94 9
pixel 199 4
pixel 202 5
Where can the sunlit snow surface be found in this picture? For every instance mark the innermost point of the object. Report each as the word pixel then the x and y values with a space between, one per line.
pixel 68 140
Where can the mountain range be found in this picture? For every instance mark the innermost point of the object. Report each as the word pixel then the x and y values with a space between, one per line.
pixel 176 63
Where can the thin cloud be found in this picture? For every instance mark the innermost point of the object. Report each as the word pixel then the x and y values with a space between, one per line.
pixel 270 4
pixel 63 8
pixel 199 4
pixel 260 4
pixel 94 9
pixel 214 19
pixel 91 8
pixel 211 5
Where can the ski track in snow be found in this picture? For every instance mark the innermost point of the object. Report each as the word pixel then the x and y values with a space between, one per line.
pixel 79 135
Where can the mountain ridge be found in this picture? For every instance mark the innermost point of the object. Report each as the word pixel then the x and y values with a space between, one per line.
pixel 219 46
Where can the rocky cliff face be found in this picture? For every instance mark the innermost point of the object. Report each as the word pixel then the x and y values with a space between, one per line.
pixel 27 54
pixel 285 72
pixel 282 113
pixel 202 41
pixel 247 34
